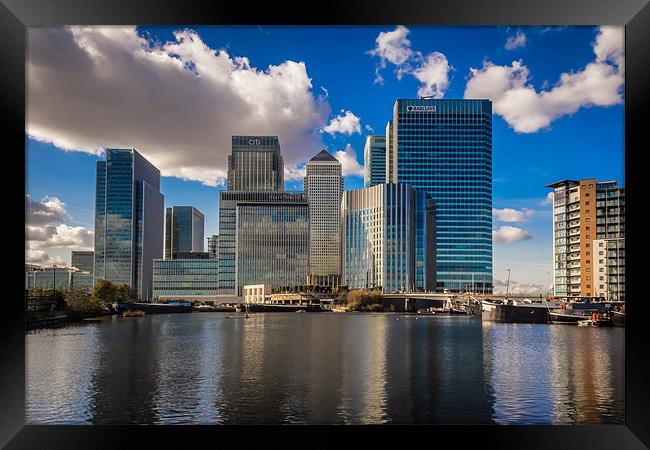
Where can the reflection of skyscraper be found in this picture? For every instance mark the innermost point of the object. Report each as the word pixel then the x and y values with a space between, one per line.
pixel 183 230
pixel 128 220
pixel 213 246
pixel 83 260
pixel 324 189
pixel 444 147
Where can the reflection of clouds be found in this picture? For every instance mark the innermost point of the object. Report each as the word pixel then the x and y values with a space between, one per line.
pixel 364 370
pixel 57 383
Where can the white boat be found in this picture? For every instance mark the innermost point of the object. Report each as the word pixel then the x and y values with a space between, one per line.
pixel 585 323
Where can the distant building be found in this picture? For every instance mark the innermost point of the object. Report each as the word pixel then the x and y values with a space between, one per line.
pixel 272 245
pixel 257 293
pixel 255 164
pixel 62 278
pixel 183 230
pixel 374 161
pixel 213 246
pixel 589 239
pixel 390 153
pixel 129 220
pixel 83 260
pixel 185 279
pixel 388 239
pixel 324 190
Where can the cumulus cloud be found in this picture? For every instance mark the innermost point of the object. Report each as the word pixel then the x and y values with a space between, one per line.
pixel 512 215
pixel 507 234
pixel 432 70
pixel 345 123
pixel 518 288
pixel 599 83
pixel 296 173
pixel 177 102
pixel 548 200
pixel 516 41
pixel 45 230
pixel 349 164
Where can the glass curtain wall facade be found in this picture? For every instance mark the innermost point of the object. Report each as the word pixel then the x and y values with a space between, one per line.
pixel 188 279
pixel 255 164
pixel 444 147
pixel 324 190
pixel 228 202
pixel 272 244
pixel 379 244
pixel 128 202
pixel 183 230
pixel 213 246
pixel 83 260
pixel 374 161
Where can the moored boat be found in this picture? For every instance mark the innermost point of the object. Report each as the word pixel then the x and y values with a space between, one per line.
pixel 618 318
pixel 516 312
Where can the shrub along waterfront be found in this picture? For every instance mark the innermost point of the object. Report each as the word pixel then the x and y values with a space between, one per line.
pixel 364 301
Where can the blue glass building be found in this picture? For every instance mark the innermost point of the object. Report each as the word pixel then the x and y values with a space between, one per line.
pixel 374 161
pixel 128 220
pixel 183 230
pixel 187 279
pixel 444 147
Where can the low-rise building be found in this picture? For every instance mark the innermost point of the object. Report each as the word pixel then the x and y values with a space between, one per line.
pixel 186 279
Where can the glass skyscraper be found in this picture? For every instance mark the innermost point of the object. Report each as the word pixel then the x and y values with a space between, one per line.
pixel 128 220
pixel 324 189
pixel 388 239
pixel 83 260
pixel 374 161
pixel 255 164
pixel 444 147
pixel 183 230
pixel 272 243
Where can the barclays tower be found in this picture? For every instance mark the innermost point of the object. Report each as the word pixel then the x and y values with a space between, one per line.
pixel 444 147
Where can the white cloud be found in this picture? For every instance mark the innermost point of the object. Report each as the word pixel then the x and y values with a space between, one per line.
pixel 346 123
pixel 516 41
pixel 515 287
pixel 507 234
pixel 349 164
pixel 369 129
pixel 295 173
pixel 548 200
pixel 431 71
pixel 177 102
pixel 433 74
pixel 512 215
pixel 599 83
pixel 45 230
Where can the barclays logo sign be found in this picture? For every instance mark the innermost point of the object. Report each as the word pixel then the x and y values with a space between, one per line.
pixel 431 108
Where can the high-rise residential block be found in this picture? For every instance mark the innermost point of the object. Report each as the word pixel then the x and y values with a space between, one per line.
pixel 255 164
pixel 183 230
pixel 388 239
pixel 129 220
pixel 324 190
pixel 444 147
pixel 374 161
pixel 588 239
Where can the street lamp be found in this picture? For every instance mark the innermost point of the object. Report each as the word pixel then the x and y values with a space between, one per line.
pixel 508 283
pixel 54 277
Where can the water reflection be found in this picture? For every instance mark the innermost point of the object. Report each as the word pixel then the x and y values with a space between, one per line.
pixel 328 368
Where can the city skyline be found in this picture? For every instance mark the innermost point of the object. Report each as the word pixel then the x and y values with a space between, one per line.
pixel 522 220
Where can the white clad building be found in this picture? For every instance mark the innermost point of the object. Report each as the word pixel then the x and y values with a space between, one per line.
pixel 324 191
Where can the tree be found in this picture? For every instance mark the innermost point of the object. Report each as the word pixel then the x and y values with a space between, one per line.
pixel 105 291
pixel 125 293
pixel 80 304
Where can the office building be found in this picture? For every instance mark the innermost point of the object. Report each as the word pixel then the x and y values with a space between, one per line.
pixel 588 239
pixel 444 147
pixel 83 260
pixel 213 246
pixel 186 279
pixel 388 239
pixel 324 190
pixel 272 243
pixel 129 220
pixel 255 164
pixel 374 161
pixel 61 278
pixel 183 230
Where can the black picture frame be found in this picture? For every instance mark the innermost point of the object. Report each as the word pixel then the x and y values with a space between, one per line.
pixel 16 15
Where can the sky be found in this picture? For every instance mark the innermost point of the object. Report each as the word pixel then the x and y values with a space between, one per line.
pixel 178 93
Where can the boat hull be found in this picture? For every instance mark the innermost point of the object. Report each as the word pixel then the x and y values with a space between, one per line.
pixel 618 319
pixel 566 318
pixel 514 313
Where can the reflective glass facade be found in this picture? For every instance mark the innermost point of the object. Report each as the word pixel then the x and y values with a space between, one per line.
pixel 272 244
pixel 83 260
pixel 374 161
pixel 255 164
pixel 185 279
pixel 183 230
pixel 213 246
pixel 444 147
pixel 380 243
pixel 128 202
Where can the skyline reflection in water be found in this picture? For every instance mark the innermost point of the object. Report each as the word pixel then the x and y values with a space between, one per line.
pixel 323 368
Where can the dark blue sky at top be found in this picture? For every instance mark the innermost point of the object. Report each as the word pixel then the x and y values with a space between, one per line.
pixel 589 143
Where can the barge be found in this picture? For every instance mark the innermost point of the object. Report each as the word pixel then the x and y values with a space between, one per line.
pixel 155 308
pixel 514 311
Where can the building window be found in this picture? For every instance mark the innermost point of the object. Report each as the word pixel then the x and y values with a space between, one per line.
pixel 587 219
pixel 588 236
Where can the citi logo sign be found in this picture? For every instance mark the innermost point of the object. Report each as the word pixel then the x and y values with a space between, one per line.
pixel 256 141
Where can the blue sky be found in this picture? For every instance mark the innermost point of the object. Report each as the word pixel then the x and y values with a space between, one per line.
pixel 584 136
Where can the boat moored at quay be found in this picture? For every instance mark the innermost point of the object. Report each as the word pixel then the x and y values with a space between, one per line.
pixel 516 311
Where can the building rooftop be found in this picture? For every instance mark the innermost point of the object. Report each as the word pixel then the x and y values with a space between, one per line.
pixel 324 156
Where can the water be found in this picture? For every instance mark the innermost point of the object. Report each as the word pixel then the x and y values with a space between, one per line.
pixel 323 368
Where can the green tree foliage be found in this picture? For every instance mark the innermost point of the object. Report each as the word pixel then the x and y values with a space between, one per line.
pixel 364 301
pixel 80 304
